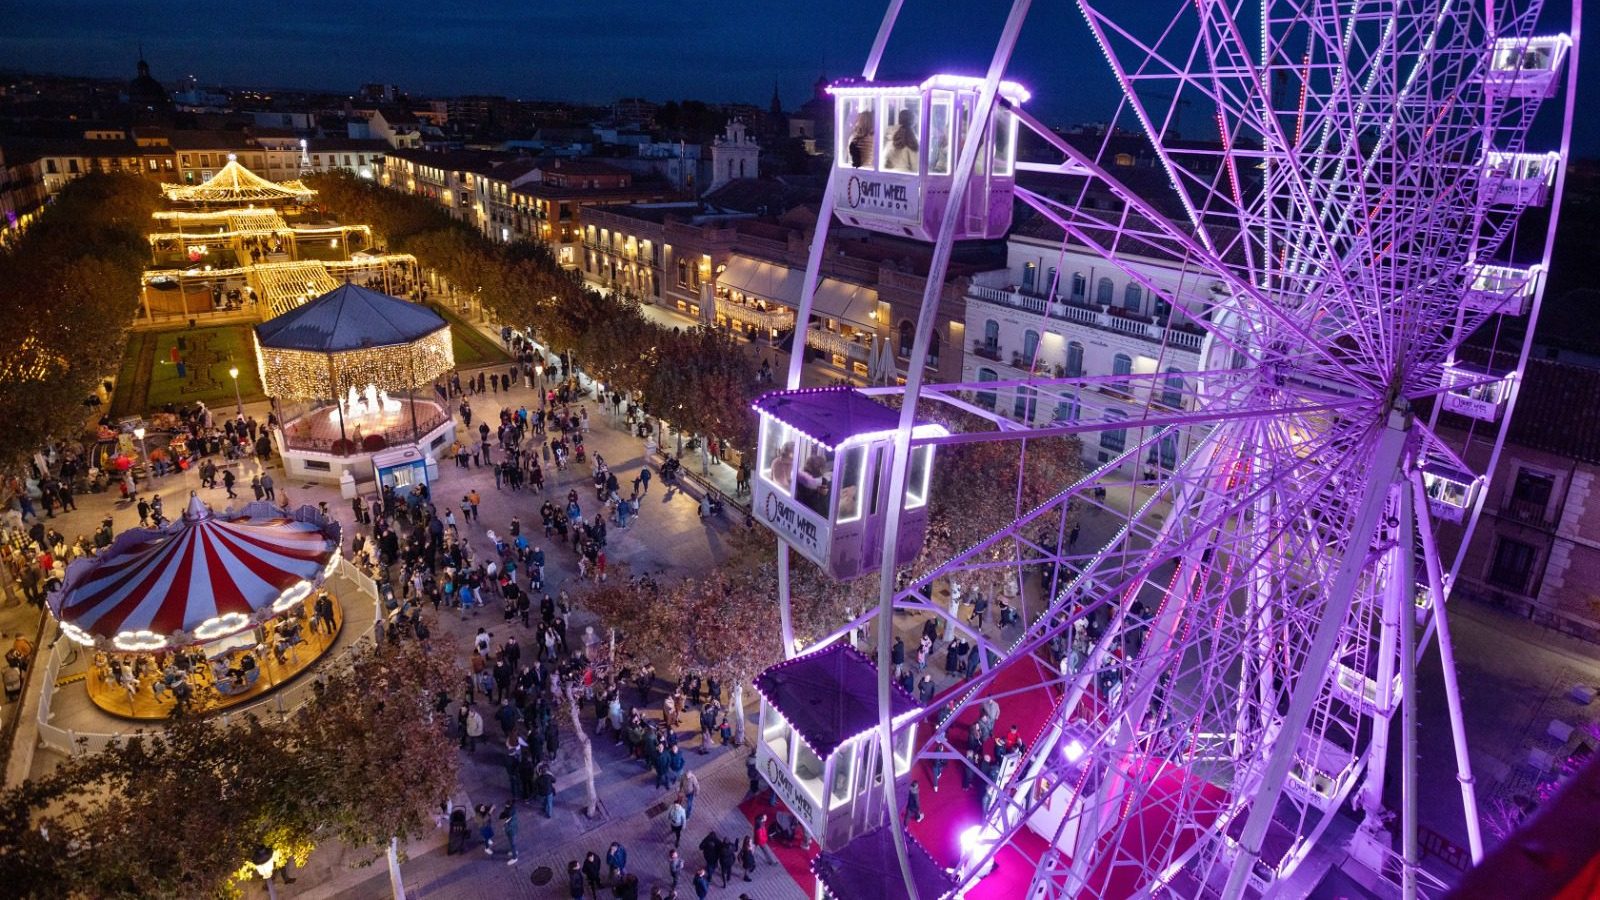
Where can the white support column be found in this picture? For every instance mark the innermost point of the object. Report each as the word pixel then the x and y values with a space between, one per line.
pixel 1402 588
pixel 1383 466
pixel 1447 662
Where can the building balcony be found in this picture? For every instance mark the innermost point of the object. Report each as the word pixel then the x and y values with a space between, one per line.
pixel 1528 512
pixel 987 351
pixel 1111 319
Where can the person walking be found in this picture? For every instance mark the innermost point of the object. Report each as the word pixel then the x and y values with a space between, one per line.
pixel 676 816
pixel 617 861
pixel 914 802
pixel 688 786
pixel 727 858
pixel 763 839
pixel 227 484
pixel 702 884
pixel 575 888
pixel 508 827
pixel 747 858
pixel 486 828
pixel 674 867
pixel 474 728
pixel 591 874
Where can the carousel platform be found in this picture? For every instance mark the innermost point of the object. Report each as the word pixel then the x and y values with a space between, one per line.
pixel 278 661
pixel 73 715
pixel 315 449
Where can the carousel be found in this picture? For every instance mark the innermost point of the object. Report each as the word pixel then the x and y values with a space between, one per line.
pixel 205 613
pixel 341 370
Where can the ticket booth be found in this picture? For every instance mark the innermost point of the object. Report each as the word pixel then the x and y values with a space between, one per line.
pixel 822 482
pixel 403 468
pixel 817 747
pixel 896 148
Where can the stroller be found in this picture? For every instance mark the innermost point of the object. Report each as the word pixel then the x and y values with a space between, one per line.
pixel 458 832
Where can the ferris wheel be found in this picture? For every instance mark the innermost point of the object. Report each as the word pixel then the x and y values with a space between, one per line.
pixel 1200 691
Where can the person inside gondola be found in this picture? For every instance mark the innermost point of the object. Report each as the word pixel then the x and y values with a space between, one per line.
pixel 861 142
pixel 900 151
pixel 812 485
pixel 783 465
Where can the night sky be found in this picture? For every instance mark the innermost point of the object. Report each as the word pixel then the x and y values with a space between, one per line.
pixel 589 50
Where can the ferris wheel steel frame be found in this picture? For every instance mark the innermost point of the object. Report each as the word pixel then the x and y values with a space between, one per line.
pixel 1300 520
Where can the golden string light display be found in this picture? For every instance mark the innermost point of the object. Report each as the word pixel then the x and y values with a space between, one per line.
pixel 298 375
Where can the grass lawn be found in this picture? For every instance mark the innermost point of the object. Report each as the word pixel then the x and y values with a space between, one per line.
pixel 207 353
pixel 472 347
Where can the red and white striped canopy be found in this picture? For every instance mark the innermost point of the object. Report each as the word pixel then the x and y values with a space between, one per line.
pixel 195 579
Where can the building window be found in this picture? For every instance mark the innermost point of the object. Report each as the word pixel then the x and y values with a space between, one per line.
pixel 1172 393
pixel 1132 297
pixel 933 349
pixel 905 339
pixel 1122 364
pixel 1074 359
pixel 1025 405
pixel 683 273
pixel 1030 347
pixel 991 335
pixel 1513 562
pixel 1530 495
pixel 1067 412
pixel 986 398
pixel 1114 439
pixel 1030 272
pixel 1164 451
pixel 1080 286
pixel 1105 293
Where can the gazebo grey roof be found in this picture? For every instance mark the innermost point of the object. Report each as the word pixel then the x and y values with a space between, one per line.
pixel 830 696
pixel 349 317
pixel 867 869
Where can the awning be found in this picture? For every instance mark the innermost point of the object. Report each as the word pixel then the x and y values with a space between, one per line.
pixel 769 281
pixel 835 299
pixel 846 302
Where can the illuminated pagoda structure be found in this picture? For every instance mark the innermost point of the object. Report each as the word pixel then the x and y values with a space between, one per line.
pixel 215 587
pixel 350 360
pixel 819 715
pixel 238 243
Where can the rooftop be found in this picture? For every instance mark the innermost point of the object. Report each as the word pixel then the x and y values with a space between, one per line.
pixel 349 317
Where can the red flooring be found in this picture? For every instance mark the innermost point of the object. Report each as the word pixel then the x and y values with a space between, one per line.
pixel 795 861
pixel 1026 701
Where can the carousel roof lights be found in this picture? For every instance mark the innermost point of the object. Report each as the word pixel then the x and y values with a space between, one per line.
pixel 138 641
pixel 221 626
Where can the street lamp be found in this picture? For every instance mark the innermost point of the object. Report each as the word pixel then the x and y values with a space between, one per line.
pixel 138 434
pixel 238 400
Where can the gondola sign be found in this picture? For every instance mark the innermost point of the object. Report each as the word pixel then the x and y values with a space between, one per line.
pixel 879 196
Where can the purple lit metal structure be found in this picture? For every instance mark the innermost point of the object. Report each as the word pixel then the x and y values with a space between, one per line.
pixel 1346 223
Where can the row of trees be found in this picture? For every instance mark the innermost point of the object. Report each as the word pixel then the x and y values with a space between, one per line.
pixel 698 379
pixel 722 623
pixel 177 813
pixel 70 288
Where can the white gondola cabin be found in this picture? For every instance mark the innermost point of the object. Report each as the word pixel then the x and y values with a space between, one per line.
pixel 819 713
pixel 1519 179
pixel 1475 391
pixel 1505 290
pixel 896 147
pixel 1527 67
pixel 1451 492
pixel 822 483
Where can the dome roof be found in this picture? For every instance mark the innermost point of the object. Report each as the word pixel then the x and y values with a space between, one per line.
pixel 349 317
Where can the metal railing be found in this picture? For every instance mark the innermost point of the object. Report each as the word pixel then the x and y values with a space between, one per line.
pixel 281 702
pixel 1102 318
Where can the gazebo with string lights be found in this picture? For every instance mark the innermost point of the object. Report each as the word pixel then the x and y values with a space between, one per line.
pixel 350 360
